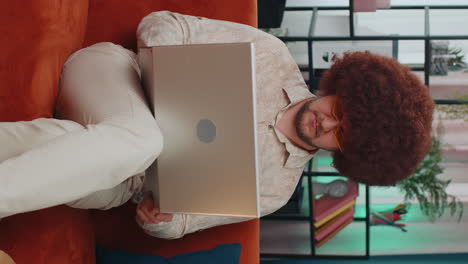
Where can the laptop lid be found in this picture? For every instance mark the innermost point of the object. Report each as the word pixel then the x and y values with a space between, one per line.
pixel 203 98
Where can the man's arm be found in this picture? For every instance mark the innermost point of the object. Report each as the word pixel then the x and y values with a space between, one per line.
pixel 160 28
pixel 172 226
pixel 166 28
pixel 183 224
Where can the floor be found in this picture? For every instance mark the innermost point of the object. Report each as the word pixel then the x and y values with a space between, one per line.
pixel 402 259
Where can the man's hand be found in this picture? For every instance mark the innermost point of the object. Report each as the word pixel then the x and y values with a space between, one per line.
pixel 148 213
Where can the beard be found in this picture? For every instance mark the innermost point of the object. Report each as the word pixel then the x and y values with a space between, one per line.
pixel 299 123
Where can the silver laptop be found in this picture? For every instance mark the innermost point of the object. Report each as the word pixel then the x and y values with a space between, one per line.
pixel 203 98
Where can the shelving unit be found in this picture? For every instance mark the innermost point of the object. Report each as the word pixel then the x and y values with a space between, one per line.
pixel 314 77
pixel 308 174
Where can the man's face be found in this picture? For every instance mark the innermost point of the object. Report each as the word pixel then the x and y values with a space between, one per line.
pixel 315 123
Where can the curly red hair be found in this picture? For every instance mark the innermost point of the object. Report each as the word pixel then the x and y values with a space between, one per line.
pixel 387 117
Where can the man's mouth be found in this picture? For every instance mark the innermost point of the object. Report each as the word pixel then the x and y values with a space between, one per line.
pixel 316 125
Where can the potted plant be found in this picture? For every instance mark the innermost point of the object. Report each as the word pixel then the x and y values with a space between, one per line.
pixel 428 190
pixel 457 61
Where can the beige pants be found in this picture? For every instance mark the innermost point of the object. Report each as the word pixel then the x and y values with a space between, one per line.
pixel 5 259
pixel 104 135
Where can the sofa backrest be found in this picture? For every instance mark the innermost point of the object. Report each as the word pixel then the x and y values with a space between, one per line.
pixel 37 37
pixel 117 20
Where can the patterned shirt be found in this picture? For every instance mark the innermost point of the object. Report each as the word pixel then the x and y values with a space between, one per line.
pixel 279 86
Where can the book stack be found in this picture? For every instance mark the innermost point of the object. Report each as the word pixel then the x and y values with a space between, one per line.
pixel 332 214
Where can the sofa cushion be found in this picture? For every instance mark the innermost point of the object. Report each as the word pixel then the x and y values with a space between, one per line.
pixel 55 235
pixel 226 254
pixel 133 239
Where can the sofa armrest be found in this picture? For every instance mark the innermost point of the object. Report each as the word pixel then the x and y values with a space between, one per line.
pixel 117 229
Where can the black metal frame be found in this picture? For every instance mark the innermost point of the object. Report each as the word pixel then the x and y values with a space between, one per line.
pixel 308 172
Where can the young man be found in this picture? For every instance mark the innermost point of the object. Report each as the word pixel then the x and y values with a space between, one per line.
pixel 372 113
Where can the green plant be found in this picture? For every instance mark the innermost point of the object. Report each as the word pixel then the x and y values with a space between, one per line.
pixel 430 191
pixel 457 62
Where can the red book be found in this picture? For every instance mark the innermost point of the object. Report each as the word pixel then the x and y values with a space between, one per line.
pixel 333 224
pixel 326 204
pixel 331 235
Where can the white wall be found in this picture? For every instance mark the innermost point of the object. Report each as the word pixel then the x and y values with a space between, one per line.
pixel 382 22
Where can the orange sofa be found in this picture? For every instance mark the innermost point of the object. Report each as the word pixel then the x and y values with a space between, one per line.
pixel 37 37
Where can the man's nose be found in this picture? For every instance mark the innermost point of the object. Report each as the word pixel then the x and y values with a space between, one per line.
pixel 329 124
